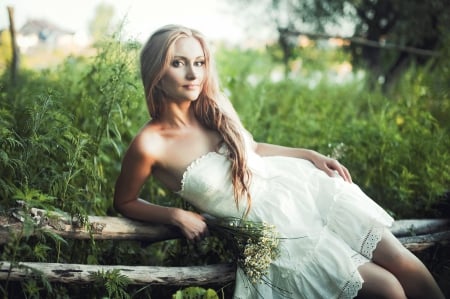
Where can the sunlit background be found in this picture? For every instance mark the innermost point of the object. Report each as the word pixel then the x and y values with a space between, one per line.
pixel 49 30
pixel 140 17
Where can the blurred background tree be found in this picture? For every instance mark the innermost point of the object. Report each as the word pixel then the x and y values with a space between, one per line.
pixel 102 23
pixel 378 25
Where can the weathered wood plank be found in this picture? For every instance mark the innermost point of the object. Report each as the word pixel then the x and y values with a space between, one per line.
pixel 412 227
pixel 99 227
pixel 421 242
pixel 119 228
pixel 138 275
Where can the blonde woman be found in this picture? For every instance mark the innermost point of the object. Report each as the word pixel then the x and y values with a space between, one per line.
pixel 196 146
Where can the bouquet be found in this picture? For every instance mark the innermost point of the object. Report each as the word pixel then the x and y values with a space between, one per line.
pixel 255 244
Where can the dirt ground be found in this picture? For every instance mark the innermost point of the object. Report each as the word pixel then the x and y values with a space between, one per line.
pixel 437 259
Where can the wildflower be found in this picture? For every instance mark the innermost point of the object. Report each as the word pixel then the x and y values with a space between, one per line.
pixel 255 244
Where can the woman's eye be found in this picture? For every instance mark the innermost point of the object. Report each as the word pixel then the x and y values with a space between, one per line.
pixel 199 63
pixel 177 63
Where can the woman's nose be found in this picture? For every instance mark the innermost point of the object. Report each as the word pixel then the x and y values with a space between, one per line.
pixel 190 73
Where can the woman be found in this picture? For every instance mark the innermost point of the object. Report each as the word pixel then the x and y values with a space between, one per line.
pixel 196 146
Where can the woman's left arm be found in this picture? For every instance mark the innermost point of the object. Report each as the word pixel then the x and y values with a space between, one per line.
pixel 328 165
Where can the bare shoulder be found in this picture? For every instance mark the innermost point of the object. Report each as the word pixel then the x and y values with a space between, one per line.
pixel 147 145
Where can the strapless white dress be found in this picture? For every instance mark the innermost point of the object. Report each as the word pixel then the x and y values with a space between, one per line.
pixel 330 227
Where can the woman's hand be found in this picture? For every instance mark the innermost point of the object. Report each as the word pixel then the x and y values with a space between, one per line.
pixel 192 225
pixel 330 166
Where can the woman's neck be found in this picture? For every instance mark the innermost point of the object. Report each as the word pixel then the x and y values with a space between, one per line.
pixel 178 115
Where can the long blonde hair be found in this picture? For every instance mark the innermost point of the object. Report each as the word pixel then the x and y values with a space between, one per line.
pixel 156 56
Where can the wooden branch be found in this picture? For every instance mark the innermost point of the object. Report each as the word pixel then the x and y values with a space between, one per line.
pixel 362 41
pixel 99 227
pixel 138 275
pixel 118 228
pixel 421 242
pixel 412 227
pixel 142 275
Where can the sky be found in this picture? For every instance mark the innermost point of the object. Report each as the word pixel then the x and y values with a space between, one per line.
pixel 215 19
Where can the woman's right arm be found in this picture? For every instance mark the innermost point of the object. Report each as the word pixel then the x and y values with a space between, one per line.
pixel 136 169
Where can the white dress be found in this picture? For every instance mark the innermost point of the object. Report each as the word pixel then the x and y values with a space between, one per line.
pixel 330 226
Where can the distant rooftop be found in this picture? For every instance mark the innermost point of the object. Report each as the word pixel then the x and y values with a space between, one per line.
pixel 43 29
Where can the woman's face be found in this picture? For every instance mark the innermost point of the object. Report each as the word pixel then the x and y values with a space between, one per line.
pixel 183 80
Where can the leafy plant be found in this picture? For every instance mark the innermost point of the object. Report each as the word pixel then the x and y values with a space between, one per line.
pixel 114 282
pixel 195 293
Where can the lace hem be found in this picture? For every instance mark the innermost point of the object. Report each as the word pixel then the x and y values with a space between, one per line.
pixel 371 240
pixel 352 287
pixel 354 283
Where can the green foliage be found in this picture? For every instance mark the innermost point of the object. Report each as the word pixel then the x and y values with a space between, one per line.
pixel 60 146
pixel 101 24
pixel 5 49
pixel 22 247
pixel 195 293
pixel 114 282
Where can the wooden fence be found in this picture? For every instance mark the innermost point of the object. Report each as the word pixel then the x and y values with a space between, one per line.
pixel 415 234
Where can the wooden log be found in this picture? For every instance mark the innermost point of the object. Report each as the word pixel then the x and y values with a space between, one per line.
pixel 155 275
pixel 138 275
pixel 119 228
pixel 421 242
pixel 412 227
pixel 98 227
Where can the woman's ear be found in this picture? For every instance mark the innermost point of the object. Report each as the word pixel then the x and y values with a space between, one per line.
pixel 159 88
pixel 159 85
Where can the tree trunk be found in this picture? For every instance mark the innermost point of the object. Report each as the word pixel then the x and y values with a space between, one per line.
pixel 15 48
